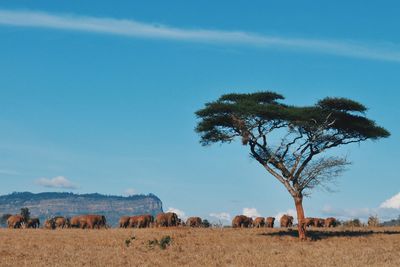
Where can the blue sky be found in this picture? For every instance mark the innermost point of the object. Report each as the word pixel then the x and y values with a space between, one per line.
pixel 99 96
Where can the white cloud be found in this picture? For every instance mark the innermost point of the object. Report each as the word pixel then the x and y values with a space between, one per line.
pixel 383 213
pixel 56 182
pixel 129 192
pixel 131 28
pixel 392 203
pixel 180 213
pixel 251 212
pixel 348 213
pixel 223 216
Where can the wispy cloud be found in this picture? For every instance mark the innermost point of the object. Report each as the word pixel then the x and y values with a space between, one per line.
pixel 56 182
pixel 132 28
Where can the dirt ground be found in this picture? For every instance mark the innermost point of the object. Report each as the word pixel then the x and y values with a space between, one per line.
pixel 199 247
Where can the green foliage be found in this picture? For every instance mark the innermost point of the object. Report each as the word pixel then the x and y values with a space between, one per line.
pixel 25 213
pixel 129 240
pixel 227 117
pixel 352 223
pixel 341 104
pixel 206 223
pixel 300 134
pixel 164 242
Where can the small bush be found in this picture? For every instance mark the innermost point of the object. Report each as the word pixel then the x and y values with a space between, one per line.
pixel 164 242
pixel 129 240
pixel 352 223
pixel 206 223
pixel 373 221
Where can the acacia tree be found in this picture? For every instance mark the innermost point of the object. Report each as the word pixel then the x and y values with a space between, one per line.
pixel 290 142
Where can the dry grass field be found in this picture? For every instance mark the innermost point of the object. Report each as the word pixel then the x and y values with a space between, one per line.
pixel 199 247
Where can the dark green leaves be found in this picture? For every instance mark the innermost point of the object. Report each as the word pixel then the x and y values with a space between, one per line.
pixel 341 104
pixel 232 115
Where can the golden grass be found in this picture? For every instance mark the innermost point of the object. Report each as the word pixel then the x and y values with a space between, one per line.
pixel 199 247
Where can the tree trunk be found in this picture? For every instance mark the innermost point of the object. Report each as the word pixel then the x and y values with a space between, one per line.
pixel 300 218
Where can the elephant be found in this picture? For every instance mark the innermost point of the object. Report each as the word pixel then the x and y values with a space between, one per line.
pixel 124 221
pixel 166 219
pixel 309 221
pixel 286 221
pixel 76 221
pixel 89 221
pixel 133 222
pixel 61 222
pixel 330 222
pixel 145 221
pixel 49 224
pixel 319 222
pixel 33 223
pixel 259 222
pixel 194 222
pixel 269 222
pixel 242 221
pixel 15 221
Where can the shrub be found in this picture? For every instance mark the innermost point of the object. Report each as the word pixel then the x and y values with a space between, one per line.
pixel 164 242
pixel 352 223
pixel 206 223
pixel 373 221
pixel 25 213
pixel 129 240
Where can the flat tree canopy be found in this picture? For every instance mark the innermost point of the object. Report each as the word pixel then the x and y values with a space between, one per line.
pixel 305 132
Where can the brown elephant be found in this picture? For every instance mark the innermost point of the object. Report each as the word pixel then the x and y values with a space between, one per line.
pixel 133 222
pixel 76 221
pixel 166 219
pixel 242 221
pixel 49 224
pixel 181 223
pixel 259 222
pixel 145 221
pixel 33 223
pixel 61 222
pixel 194 222
pixel 309 222
pixel 269 222
pixel 15 221
pixel 124 221
pixel 89 221
pixel 319 222
pixel 95 221
pixel 330 222
pixel 286 221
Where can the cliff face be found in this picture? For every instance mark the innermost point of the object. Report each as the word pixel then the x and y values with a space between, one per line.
pixel 44 205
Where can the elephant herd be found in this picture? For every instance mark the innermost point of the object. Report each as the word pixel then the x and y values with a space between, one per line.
pixel 168 219
pixel 242 221
pixel 320 222
pixel 18 221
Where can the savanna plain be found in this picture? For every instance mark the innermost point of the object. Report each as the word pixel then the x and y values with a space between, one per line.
pixel 200 247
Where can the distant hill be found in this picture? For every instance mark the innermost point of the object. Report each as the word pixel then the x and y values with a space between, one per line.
pixel 44 205
pixel 394 222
